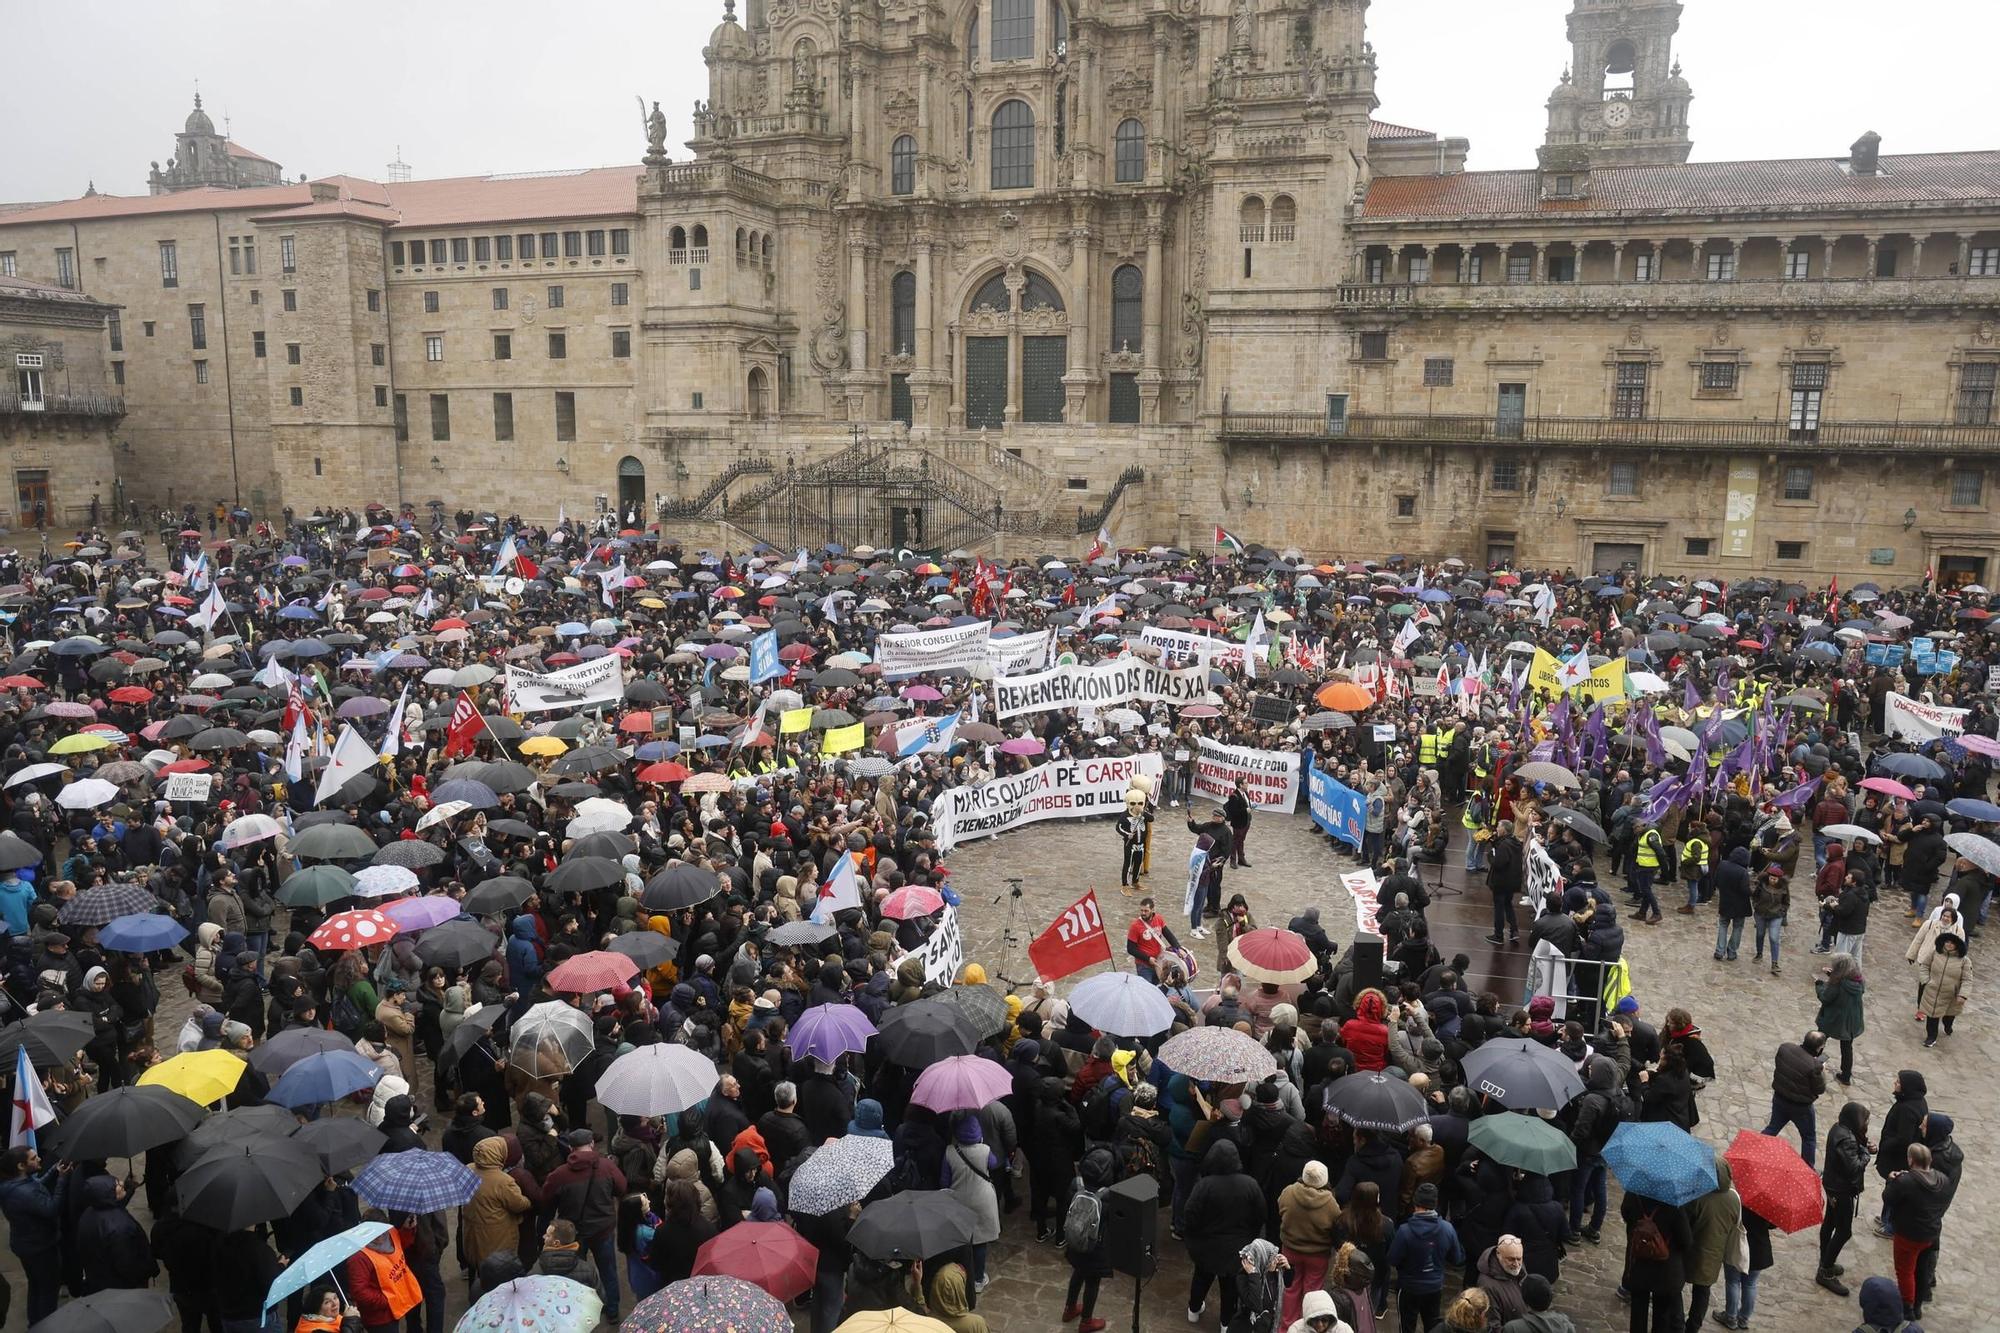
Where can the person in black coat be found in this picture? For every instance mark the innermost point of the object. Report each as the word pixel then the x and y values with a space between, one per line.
pixel 1225 1212
pixel 1051 1134
pixel 825 1102
pixel 1656 1284
pixel 1539 1221
pixel 399 1113
pixel 1237 811
pixel 1902 1126
pixel 114 1248
pixel 1089 1267
pixel 1732 902
pixel 1374 1159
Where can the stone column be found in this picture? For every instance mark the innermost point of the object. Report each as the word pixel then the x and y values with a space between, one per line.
pixel 1785 246
pixel 1917 252
pixel 1964 255
pixel 1874 250
pixel 1541 261
pixel 1618 261
pixel 1826 260
pixel 1736 248
pixel 857 305
pixel 1155 278
pixel 926 354
pixel 1014 362
pixel 1700 260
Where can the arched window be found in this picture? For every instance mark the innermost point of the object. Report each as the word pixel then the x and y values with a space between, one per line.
pixel 767 249
pixel 1284 218
pixel 1129 151
pixel 1014 146
pixel 1253 219
pixel 903 165
pixel 742 246
pixel 1040 294
pixel 699 237
pixel 1128 306
pixel 1621 61
pixel 677 239
pixel 972 41
pixel 1058 27
pixel 903 314
pixel 993 292
pixel 1062 119
pixel 1013 29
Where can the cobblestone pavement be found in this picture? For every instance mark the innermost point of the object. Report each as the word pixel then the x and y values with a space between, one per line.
pixel 1744 1012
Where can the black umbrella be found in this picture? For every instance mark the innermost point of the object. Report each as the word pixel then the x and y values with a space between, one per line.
pixel 512 828
pixel 983 1005
pixel 611 845
pixel 409 853
pixel 459 944
pixel 274 1057
pixel 470 1031
pixel 53 1037
pixel 243 1184
pixel 1522 1074
pixel 123 1123
pixel 232 1129
pixel 924 1032
pixel 1376 1101
pixel 499 894
pixel 912 1224
pixel 340 1142
pixel 575 791
pixel 333 842
pixel 679 885
pixel 507 776
pixel 647 948
pixel 588 759
pixel 116 1310
pixel 1576 819
pixel 580 874
pixel 17 853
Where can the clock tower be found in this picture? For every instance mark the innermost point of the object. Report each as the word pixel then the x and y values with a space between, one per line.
pixel 1622 99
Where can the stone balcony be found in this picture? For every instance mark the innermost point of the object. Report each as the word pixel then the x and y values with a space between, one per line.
pixel 1740 294
pixel 62 405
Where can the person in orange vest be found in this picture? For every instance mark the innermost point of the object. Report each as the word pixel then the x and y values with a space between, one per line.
pixel 326 1315
pixel 380 1280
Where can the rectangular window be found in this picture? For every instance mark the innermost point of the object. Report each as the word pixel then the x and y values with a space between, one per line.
pixel 1808 391
pixel 1798 481
pixel 378 354
pixel 381 395
pixel 1623 481
pixel 440 416
pixel 1336 414
pixel 1511 411
pixel 437 251
pixel 1798 264
pixel 1562 268
pixel 1791 550
pixel 572 245
pixel 1378 270
pixel 1506 474
pixel 503 417
pixel 1520 268
pixel 292 354
pixel 1629 399
pixel 66 267
pixel 499 298
pixel 555 298
pixel 1968 487
pixel 1646 267
pixel 7 269
pixel 235 257
pixel 250 254
pixel 548 245
pixel 201 372
pixel 395 254
pixel 1406 506
pixel 402 419
pixel 461 250
pixel 298 396
pixel 621 343
pixel 1473 267
pixel 1885 263
pixel 1375 346
pixel 1983 261
pixel 430 303
pixel 288 257
pixel 117 327
pixel 694 279
pixel 198 327
pixel 1013 29
pixel 482 249
pixel 620 293
pixel 1124 398
pixel 621 241
pixel 1696 546
pixel 503 248
pixel 1718 376
pixel 503 347
pixel 694 400
pixel 291 298
pixel 1565 185
pixel 118 373
pixel 558 345
pixel 593 243
pixel 170 264
pixel 1438 372
pixel 434 347
pixel 257 344
pixel 1722 267
pixel 525 243
pixel 900 407
pixel 565 416
pixel 256 297
pixel 1975 392
pixel 1420 268
pixel 374 301
pixel 147 325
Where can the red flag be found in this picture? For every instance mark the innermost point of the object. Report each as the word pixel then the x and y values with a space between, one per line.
pixel 525 567
pixel 461 734
pixel 1073 941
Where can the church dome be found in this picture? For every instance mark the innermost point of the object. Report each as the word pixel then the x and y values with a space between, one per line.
pixel 729 41
pixel 198 121
pixel 1676 84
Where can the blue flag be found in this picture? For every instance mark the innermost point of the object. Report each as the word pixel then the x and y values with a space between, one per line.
pixel 764 663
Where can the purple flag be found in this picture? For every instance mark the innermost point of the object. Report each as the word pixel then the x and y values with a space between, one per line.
pixel 1796 798
pixel 1691 700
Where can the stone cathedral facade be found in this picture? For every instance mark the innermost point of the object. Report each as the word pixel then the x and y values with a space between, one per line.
pixel 993 274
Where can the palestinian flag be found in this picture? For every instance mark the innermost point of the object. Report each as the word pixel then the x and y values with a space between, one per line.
pixel 1228 541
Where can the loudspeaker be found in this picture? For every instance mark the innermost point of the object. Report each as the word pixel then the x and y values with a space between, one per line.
pixel 1366 951
pixel 1131 1225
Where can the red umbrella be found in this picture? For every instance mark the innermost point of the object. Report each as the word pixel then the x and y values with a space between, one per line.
pixel 912 900
pixel 131 694
pixel 1775 1182
pixel 636 723
pixel 1273 955
pixel 766 1254
pixel 595 971
pixel 353 930
pixel 664 771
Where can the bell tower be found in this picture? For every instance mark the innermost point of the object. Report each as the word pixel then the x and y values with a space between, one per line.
pixel 1623 97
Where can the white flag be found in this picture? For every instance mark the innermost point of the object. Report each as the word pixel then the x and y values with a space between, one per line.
pixel 840 891
pixel 212 609
pixel 295 750
pixel 1257 631
pixel 352 756
pixel 612 581
pixel 31 1102
pixel 1575 671
pixel 1545 604
pixel 392 742
pixel 1405 637
pixel 426 606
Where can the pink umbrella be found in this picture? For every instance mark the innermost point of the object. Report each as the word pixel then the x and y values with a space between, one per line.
pixel 962 1083
pixel 595 971
pixel 922 694
pixel 414 914
pixel 1023 745
pixel 1888 787
pixel 1979 745
pixel 912 900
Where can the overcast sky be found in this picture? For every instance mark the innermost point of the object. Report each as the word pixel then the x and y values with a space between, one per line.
pixel 501 85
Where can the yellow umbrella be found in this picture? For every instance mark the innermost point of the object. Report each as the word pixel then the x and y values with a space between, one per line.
pixel 543 745
pixel 202 1077
pixel 79 742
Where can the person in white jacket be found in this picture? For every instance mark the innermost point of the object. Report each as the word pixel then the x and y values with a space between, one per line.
pixel 1317 1315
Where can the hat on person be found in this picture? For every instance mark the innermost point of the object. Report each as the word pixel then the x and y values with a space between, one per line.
pixel 1314 1174
pixel 768 1001
pixel 1628 1004
pixel 1538 1292
pixel 579 1138
pixel 1426 1195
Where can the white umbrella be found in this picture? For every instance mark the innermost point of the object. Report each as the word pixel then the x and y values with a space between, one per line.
pixel 1646 682
pixel 1980 851
pixel 1852 832
pixel 467 677
pixel 87 794
pixel 31 772
pixel 656 1080
pixel 437 814
pixel 382 881
pixel 599 814
pixel 550 1039
pixel 251 828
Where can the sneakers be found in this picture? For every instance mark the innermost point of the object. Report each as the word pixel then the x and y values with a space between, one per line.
pixel 1194 1312
pixel 1929 1042
pixel 1775 970
pixel 1727 1322
pixel 980 1285
pixel 1493 938
pixel 1718 958
pixel 1591 1234
pixel 1043 1235
pixel 1831 1283
pixel 1200 932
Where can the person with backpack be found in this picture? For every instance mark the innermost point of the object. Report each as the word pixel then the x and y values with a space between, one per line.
pixel 1083 1238
pixel 1144 1139
pixel 1424 1247
pixel 1657 1241
pixel 1882 1308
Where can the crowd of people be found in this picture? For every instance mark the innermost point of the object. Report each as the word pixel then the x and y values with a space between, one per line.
pixel 683 832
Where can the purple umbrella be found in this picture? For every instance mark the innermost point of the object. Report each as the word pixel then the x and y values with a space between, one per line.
pixel 962 1083
pixel 1023 745
pixel 922 693
pixel 826 1031
pixel 362 706
pixel 414 914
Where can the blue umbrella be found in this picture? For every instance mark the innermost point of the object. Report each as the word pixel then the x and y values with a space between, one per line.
pixel 416 1182
pixel 297 611
pixel 475 794
pixel 1660 1160
pixel 147 931
pixel 322 1259
pixel 1910 766
pixel 1821 648
pixel 1965 807
pixel 325 1076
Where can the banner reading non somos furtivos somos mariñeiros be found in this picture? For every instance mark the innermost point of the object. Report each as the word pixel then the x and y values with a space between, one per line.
pixel 1099 685
pixel 1069 789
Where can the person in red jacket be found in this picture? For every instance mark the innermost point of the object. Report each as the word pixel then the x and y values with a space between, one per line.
pixel 1367 1033
pixel 380 1281
pixel 585 1191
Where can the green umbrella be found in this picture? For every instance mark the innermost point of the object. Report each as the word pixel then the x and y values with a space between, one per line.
pixel 1402 609
pixel 1527 1142
pixel 315 886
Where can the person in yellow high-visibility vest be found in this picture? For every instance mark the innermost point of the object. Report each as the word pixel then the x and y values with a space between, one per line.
pixel 1695 857
pixel 1647 855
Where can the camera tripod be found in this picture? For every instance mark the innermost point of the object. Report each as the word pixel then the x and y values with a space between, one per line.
pixel 1009 936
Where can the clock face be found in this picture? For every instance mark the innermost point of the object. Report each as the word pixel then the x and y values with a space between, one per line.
pixel 1618 113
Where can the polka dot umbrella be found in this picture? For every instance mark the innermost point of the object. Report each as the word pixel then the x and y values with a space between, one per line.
pixel 353 930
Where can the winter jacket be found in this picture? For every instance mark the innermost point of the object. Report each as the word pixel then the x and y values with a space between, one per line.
pixel 1945 985
pixel 1376 1160
pixel 1651 1275
pixel 1732 886
pixel 1503 1289
pixel 1916 1201
pixel 568 1261
pixel 1225 1211
pixel 32 1205
pixel 586 1189
pixel 1845 1168
pixel 1540 1222
pixel 1712 1221
pixel 1882 1308
pixel 1306 1218
pixel 1903 1123
pixel 1840 1016
pixel 491 1220
pixel 1366 1035
pixel 1423 1247
pixel 970 1167
pixel 112 1246
pixel 1597 1113
pixel 1546 1321
pixel 524 960
pixel 1799 1077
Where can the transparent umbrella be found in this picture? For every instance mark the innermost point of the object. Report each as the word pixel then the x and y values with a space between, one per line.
pixel 549 1040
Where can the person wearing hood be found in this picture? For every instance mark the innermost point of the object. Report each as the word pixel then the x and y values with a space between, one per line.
pixel 1947 979
pixel 1053 1132
pixel 1916 1198
pixel 1225 1212
pixel 1732 903
pixel 1924 854
pixel 1424 1248
pixel 1902 1126
pixel 524 960
pixel 399 1113
pixel 1882 1308
pixel 1367 1033
pixel 968 1170
pixel 1944 919
pixel 1539 1295
pixel 379 1279
pixel 1259 1287
pixel 948 1304
pixel 113 1246
pixel 1712 1220
pixel 1603 944
pixel 1597 1115
pixel 909 983
pixel 1317 1314
pixel 1374 1160
pixel 1307 1213
pixel 1502 1267
pixel 1539 1221
pixel 1843 1176
pixel 1655 1276
pixel 107 1026
pixel 492 1220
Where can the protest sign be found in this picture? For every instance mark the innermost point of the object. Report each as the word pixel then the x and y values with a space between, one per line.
pixel 1883 654
pixel 1541 874
pixel 968 648
pixel 1603 682
pixel 1338 809
pixel 1270 778
pixel 1909 720
pixel 1178 648
pixel 1273 708
pixel 597 682
pixel 1367 892
pixel 1071 789
pixel 1018 653
pixel 187 786
pixel 1385 732
pixel 1936 664
pixel 1098 686
pixel 944 951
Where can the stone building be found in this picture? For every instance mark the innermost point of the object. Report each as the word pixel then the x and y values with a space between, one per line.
pixel 993 273
pixel 60 406
pixel 205 160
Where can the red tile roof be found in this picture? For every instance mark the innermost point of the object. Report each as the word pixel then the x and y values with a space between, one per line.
pixel 1697 187
pixel 92 207
pixel 1382 129
pixel 238 150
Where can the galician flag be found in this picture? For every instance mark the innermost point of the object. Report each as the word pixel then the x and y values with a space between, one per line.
pixel 1229 541
pixel 392 740
pixel 31 1103
pixel 925 735
pixel 841 890
pixel 212 609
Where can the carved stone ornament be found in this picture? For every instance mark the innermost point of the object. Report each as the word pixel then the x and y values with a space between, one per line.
pixel 1815 334
pixel 1194 330
pixel 1635 336
pixel 1985 332
pixel 1722 335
